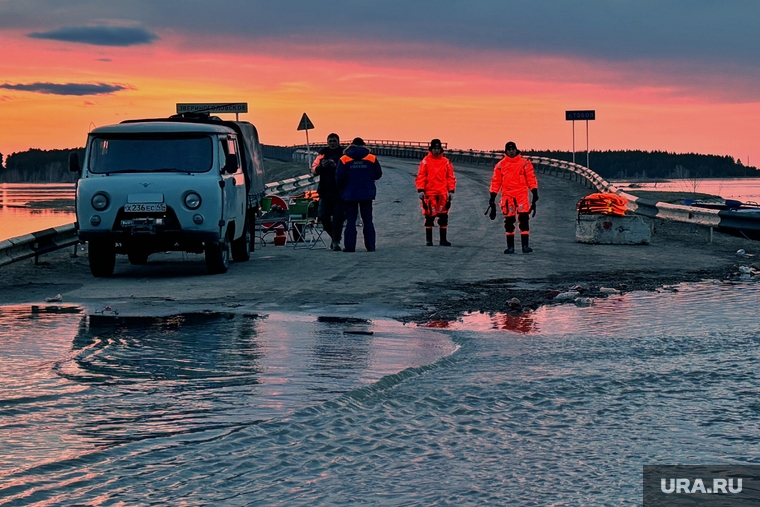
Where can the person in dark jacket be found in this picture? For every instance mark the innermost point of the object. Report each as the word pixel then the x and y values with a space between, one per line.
pixel 356 174
pixel 330 204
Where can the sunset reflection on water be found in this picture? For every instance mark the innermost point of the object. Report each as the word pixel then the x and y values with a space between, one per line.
pixel 519 322
pixel 27 208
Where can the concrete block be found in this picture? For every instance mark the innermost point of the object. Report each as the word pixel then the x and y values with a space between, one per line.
pixel 613 230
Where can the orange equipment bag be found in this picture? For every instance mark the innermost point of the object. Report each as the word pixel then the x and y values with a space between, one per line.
pixel 602 204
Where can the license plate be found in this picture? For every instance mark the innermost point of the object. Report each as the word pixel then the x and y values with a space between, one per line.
pixel 144 208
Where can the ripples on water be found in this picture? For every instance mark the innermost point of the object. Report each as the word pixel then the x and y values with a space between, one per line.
pixel 563 409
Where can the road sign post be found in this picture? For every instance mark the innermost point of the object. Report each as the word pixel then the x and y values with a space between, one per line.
pixel 586 115
pixel 306 124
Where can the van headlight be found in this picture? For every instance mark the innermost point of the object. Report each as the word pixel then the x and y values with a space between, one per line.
pixel 99 201
pixel 192 200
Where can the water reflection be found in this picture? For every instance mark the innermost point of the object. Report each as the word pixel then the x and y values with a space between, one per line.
pixel 683 305
pixel 204 346
pixel 341 351
pixel 518 322
pixel 27 208
pixel 72 386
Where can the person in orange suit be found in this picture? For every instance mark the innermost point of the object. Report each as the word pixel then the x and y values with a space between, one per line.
pixel 435 186
pixel 513 176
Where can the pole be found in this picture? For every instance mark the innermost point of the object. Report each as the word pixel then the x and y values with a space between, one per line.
pixel 573 122
pixel 308 152
pixel 587 167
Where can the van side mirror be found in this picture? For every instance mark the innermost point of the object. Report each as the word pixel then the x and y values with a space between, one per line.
pixel 230 164
pixel 74 162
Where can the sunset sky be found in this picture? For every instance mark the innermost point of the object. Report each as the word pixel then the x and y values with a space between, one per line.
pixel 679 76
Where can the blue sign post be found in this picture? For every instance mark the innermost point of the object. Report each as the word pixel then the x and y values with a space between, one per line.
pixel 586 115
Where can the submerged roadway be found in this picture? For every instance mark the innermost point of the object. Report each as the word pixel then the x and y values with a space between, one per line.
pixel 403 279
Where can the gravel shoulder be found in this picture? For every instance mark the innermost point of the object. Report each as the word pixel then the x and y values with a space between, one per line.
pixel 403 279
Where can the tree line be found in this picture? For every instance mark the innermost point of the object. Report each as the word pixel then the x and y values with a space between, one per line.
pixel 637 164
pixel 51 166
pixel 39 166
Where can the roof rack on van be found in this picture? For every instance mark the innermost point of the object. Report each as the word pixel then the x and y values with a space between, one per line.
pixel 195 115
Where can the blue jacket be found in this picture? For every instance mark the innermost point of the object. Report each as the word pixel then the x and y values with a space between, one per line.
pixel 356 174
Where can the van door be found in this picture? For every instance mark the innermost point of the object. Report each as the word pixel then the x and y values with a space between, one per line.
pixel 233 191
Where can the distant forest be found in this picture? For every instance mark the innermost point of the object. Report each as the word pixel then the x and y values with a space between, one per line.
pixel 636 164
pixel 51 166
pixel 39 166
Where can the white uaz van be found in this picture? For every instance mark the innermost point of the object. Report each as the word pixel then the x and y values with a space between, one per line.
pixel 190 183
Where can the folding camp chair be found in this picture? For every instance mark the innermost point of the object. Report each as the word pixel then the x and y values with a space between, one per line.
pixel 304 226
pixel 273 220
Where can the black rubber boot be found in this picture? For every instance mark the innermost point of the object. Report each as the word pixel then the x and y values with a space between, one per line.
pixel 443 241
pixel 428 236
pixel 525 240
pixel 510 244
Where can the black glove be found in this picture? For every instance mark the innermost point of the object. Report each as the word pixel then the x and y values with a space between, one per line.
pixel 491 209
pixel 328 163
pixel 532 209
pixel 492 206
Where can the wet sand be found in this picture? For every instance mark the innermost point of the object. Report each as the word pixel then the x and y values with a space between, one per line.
pixel 403 279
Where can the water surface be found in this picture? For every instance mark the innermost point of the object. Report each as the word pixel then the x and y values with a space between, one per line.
pixel 562 406
pixel 32 207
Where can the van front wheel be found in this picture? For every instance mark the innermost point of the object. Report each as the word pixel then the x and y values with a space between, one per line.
pixel 218 257
pixel 102 258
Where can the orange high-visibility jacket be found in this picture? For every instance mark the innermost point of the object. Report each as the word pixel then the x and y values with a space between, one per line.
pixel 513 177
pixel 435 176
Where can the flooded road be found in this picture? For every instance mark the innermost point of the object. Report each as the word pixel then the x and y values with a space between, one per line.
pixel 563 405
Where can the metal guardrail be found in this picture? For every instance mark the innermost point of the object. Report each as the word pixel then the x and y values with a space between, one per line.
pixel 37 243
pixel 291 184
pixel 379 142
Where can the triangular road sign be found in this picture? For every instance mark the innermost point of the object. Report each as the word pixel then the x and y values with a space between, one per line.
pixel 305 123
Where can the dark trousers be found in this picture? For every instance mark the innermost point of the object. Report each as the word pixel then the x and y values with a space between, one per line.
pixel 332 216
pixel 353 208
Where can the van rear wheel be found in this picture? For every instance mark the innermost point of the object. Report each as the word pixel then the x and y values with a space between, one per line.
pixel 241 247
pixel 218 257
pixel 102 258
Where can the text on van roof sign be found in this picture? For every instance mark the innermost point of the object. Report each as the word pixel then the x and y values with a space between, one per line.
pixel 214 107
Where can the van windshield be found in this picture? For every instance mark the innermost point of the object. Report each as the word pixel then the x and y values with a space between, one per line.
pixel 192 153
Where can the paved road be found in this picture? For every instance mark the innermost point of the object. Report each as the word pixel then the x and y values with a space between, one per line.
pixel 401 275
